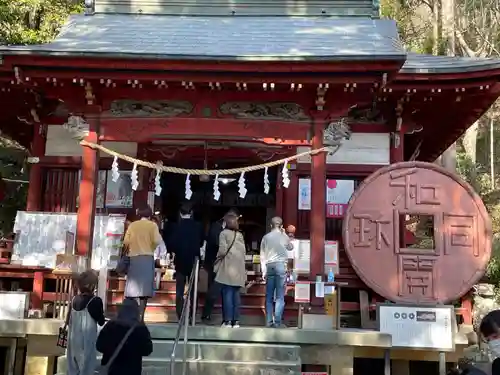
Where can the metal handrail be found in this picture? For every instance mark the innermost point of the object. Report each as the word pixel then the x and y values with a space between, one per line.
pixel 184 322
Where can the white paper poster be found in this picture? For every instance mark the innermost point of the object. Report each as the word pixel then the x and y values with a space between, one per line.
pixel 302 292
pixel 418 327
pixel 338 193
pixel 320 289
pixel 304 194
pixel 302 261
pixel 331 257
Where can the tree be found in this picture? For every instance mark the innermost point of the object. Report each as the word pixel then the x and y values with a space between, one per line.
pixel 469 28
pixel 33 21
pixel 25 22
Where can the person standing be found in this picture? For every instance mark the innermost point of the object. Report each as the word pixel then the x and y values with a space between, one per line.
pixel 230 271
pixel 211 250
pixel 273 258
pixel 85 314
pixel 128 361
pixel 185 242
pixel 141 240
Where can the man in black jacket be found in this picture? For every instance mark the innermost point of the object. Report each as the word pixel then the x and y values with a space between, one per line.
pixel 211 250
pixel 185 242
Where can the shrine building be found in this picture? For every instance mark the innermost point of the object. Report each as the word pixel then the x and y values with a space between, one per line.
pixel 215 85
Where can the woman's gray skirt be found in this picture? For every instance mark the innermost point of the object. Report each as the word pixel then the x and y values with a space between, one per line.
pixel 140 277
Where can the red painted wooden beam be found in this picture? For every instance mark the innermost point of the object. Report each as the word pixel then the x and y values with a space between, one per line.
pixel 202 65
pixel 144 129
pixel 223 77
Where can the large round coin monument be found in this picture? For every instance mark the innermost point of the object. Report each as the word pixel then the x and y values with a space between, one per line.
pixel 447 266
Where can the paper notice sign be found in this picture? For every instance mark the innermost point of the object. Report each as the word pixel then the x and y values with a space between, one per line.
pixel 320 289
pixel 302 292
pixel 302 261
pixel 331 252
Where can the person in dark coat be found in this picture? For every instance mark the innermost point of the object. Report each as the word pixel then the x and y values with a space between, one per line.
pixel 185 242
pixel 211 250
pixel 138 344
pixel 490 332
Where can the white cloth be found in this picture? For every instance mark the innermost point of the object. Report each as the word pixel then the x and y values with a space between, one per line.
pixel 274 247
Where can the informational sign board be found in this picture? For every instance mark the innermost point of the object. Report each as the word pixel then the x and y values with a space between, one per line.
pixel 338 193
pixel 14 305
pixel 302 292
pixel 418 327
pixel 42 236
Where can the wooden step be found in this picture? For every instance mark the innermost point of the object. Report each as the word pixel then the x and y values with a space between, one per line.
pixel 167 298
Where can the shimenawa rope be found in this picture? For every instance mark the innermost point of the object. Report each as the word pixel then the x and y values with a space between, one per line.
pixel 209 172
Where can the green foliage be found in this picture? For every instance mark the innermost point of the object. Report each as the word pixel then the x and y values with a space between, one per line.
pixel 33 21
pixel 25 22
pixel 12 159
pixel 414 25
pixel 478 175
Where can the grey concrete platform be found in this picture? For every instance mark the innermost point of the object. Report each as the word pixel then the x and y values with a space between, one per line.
pixel 344 337
pixel 161 331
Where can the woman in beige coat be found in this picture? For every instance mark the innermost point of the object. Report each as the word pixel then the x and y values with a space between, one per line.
pixel 230 271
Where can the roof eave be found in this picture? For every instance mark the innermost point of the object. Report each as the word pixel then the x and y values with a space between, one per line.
pixel 284 58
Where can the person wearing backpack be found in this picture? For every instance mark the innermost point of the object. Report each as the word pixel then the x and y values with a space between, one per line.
pixel 124 341
pixel 86 312
pixel 230 271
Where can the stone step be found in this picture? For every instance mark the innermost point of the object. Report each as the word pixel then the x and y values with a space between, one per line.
pixel 202 367
pixel 215 357
pixel 229 351
pixel 156 366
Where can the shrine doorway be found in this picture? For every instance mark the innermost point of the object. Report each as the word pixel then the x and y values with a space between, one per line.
pixel 256 208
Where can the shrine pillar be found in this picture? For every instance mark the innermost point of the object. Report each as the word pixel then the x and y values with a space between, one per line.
pixel 34 199
pixel 88 187
pixel 318 198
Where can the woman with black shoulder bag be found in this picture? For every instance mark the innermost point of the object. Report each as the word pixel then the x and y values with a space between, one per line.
pixel 124 341
pixel 230 271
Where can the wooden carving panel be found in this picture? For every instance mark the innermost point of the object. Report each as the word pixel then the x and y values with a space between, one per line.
pixel 264 111
pixel 148 108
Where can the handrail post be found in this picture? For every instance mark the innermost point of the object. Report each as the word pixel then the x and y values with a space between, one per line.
pixel 184 321
pixel 186 326
pixel 195 290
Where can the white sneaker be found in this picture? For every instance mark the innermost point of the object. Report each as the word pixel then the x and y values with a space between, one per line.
pixel 236 324
pixel 226 325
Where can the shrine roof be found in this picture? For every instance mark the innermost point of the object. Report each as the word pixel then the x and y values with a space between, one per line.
pixel 223 38
pixel 429 64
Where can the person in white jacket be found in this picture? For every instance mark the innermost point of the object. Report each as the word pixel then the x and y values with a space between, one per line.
pixel 274 249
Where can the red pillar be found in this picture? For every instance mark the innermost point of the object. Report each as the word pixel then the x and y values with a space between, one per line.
pixel 318 199
pixel 34 200
pixel 88 190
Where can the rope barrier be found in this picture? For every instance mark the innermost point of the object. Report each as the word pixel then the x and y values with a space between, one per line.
pixel 209 172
